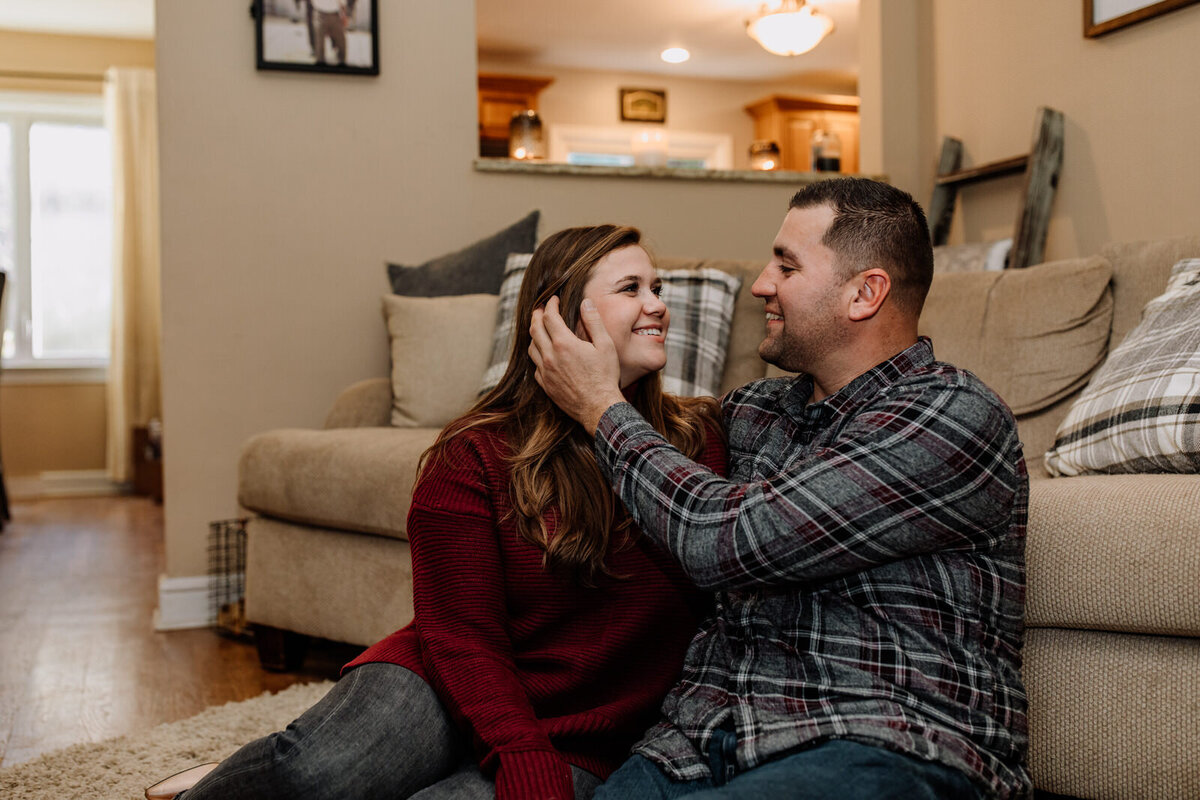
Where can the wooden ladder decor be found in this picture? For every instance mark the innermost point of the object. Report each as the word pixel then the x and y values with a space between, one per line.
pixel 1041 167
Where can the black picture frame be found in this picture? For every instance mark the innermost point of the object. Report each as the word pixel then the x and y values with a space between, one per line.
pixel 1132 12
pixel 284 31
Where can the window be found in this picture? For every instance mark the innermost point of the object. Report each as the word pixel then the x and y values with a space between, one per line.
pixel 618 146
pixel 55 231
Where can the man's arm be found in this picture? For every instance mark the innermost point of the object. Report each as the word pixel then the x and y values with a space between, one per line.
pixel 923 470
pixel 581 377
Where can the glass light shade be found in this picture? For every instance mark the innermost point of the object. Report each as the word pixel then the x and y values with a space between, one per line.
pixel 525 141
pixel 791 30
pixel 764 156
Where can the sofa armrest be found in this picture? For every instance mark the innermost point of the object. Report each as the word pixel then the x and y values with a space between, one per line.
pixel 1115 553
pixel 366 404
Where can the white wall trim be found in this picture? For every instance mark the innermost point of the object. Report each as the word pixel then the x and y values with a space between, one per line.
pixel 182 603
pixel 63 483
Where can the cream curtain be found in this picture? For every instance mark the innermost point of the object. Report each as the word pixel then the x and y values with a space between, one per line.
pixel 134 394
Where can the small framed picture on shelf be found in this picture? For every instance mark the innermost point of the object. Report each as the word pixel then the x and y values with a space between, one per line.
pixel 339 36
pixel 643 105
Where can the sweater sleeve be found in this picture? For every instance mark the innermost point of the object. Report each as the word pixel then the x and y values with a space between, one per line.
pixel 459 601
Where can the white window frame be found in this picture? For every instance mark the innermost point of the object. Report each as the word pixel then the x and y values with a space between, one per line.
pixel 715 149
pixel 20 110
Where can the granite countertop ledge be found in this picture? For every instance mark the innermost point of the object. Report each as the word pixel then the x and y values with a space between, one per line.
pixel 677 173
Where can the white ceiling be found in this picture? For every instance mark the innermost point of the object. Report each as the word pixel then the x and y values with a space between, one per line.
pixel 628 35
pixel 612 35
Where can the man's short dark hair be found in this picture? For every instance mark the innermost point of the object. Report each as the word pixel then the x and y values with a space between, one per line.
pixel 876 225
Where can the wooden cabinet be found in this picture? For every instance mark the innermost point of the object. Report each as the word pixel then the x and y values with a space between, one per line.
pixel 501 96
pixel 791 121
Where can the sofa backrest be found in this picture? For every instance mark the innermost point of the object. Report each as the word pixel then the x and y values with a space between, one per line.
pixel 1140 272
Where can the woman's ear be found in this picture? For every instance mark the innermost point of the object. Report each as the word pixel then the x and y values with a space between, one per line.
pixel 872 287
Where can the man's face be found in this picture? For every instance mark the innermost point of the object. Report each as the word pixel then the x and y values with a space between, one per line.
pixel 805 297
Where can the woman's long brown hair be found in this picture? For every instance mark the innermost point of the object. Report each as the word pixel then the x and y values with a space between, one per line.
pixel 553 465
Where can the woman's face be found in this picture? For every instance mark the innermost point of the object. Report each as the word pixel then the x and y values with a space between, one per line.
pixel 625 287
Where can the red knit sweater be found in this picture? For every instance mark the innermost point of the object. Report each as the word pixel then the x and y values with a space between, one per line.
pixel 543 673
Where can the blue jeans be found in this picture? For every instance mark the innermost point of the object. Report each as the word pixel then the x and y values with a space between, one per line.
pixel 833 770
pixel 380 732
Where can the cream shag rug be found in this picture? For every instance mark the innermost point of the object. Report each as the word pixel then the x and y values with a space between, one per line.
pixel 122 768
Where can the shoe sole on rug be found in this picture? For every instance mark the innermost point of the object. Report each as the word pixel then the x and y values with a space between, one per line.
pixel 179 782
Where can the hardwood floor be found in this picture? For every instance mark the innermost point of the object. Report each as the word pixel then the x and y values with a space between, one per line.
pixel 79 658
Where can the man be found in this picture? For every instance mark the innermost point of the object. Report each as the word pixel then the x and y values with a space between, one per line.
pixel 328 19
pixel 867 550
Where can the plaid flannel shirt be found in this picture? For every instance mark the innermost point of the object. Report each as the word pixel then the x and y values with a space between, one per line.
pixel 867 554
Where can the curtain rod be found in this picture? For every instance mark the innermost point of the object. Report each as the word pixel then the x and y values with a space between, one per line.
pixel 56 76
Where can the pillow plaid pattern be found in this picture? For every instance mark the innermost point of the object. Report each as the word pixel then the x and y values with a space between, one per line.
pixel 502 338
pixel 1141 410
pixel 701 306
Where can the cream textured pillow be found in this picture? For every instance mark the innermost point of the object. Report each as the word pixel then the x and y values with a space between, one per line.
pixel 439 348
pixel 1141 411
pixel 1033 335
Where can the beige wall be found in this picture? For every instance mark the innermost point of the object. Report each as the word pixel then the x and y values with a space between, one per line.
pixel 582 97
pixel 284 194
pixel 52 427
pixel 1131 168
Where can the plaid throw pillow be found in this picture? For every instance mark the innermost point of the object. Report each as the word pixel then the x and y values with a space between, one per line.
pixel 1141 410
pixel 701 306
pixel 502 338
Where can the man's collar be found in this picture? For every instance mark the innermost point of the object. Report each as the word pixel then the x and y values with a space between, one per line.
pixel 866 386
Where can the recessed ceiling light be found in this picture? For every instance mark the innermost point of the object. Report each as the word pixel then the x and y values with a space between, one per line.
pixel 675 55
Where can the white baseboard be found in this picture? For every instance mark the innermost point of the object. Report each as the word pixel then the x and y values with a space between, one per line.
pixel 182 603
pixel 63 483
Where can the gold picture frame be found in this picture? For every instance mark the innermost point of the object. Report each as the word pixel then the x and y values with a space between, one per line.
pixel 1105 16
pixel 643 105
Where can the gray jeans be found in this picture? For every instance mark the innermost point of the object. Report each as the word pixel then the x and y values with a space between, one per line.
pixel 381 732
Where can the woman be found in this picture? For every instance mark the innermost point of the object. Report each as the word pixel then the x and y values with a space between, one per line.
pixel 546 629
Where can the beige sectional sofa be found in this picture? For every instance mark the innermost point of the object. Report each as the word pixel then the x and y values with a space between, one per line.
pixel 1112 656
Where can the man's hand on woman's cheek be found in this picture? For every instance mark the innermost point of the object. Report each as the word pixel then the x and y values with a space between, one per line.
pixel 582 378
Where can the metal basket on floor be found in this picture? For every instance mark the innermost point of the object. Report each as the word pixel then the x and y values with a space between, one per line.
pixel 227 577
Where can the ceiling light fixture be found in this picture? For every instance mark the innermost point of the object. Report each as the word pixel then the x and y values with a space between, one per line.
pixel 789 29
pixel 675 55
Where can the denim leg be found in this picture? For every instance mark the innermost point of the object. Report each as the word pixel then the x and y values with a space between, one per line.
pixel 639 778
pixel 380 732
pixel 845 770
pixel 468 783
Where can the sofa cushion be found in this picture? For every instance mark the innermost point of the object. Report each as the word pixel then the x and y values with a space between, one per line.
pixel 1141 411
pixel 439 348
pixel 701 302
pixel 1033 335
pixel 475 269
pixel 1114 553
pixel 357 479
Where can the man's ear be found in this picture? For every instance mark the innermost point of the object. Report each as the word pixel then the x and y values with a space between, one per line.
pixel 872 287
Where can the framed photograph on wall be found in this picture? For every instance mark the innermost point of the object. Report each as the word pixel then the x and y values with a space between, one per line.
pixel 1105 16
pixel 340 36
pixel 643 105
